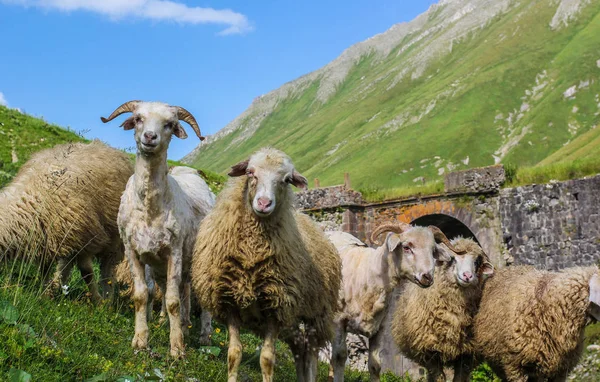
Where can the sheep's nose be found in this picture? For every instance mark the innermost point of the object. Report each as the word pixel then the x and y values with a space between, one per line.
pixel 149 135
pixel 264 203
pixel 467 276
pixel 426 279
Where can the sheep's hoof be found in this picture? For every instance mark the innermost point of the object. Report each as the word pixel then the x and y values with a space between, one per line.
pixel 139 342
pixel 177 352
pixel 205 340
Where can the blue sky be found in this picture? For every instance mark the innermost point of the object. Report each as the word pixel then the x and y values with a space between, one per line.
pixel 72 61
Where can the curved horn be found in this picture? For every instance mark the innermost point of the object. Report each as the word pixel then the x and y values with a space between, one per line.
pixel 397 227
pixel 127 107
pixel 441 238
pixel 187 117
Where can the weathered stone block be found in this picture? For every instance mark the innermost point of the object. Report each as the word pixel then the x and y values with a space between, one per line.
pixel 483 179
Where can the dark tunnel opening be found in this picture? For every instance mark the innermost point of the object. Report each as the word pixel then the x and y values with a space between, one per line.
pixel 450 226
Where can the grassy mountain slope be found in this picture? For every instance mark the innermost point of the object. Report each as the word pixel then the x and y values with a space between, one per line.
pixel 466 84
pixel 21 135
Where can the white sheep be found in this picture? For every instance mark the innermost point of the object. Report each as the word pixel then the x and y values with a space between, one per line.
pixel 530 324
pixel 434 326
pixel 260 264
pixel 159 216
pixel 370 274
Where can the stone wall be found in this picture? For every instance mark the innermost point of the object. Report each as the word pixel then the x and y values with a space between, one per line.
pixel 483 179
pixel 553 226
pixel 327 197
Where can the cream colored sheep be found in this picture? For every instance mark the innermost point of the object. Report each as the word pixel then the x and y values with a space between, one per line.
pixel 159 216
pixel 62 205
pixel 433 326
pixel 369 276
pixel 530 323
pixel 261 265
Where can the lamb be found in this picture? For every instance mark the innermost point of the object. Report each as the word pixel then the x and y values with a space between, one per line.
pixel 530 323
pixel 62 207
pixel 369 275
pixel 433 327
pixel 262 265
pixel 158 217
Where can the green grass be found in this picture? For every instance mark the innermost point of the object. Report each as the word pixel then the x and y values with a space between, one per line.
pixel 65 338
pixel 559 171
pixel 378 195
pixel 24 135
pixel 495 67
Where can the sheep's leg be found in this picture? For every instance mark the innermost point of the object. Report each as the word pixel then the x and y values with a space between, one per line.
pixel 234 353
pixel 108 262
pixel 267 353
pixel 140 299
pixel 435 373
pixel 375 357
pixel 298 349
pixel 339 353
pixel 205 327
pixel 84 263
pixel 462 369
pixel 162 283
pixel 151 284
pixel 62 275
pixel 186 323
pixel 312 364
pixel 173 301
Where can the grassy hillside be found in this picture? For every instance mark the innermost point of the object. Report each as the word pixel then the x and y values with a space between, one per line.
pixel 21 135
pixel 511 90
pixel 63 337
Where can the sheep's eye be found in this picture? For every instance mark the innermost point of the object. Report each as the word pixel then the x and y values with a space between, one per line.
pixel 137 119
pixel 168 125
pixel 406 248
pixel 250 173
pixel 288 179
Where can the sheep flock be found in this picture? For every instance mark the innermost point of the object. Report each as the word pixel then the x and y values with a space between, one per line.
pixel 250 260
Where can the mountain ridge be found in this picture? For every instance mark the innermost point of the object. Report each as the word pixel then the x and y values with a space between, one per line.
pixel 417 71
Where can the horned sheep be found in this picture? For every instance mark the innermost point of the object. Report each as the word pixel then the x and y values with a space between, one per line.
pixel 262 265
pixel 434 326
pixel 369 276
pixel 530 324
pixel 62 207
pixel 159 215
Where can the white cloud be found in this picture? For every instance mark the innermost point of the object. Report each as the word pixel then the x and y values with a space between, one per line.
pixel 157 10
pixel 3 101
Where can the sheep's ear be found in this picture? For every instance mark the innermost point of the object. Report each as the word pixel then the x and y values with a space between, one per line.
pixel 442 254
pixel 487 270
pixel 595 297
pixel 299 180
pixel 179 131
pixel 128 124
pixel 239 169
pixel 392 241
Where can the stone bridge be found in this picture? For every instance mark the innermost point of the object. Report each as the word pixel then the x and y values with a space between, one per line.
pixel 550 226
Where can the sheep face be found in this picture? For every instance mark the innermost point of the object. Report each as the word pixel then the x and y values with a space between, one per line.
pixel 414 253
pixel 269 173
pixel 469 268
pixel 154 123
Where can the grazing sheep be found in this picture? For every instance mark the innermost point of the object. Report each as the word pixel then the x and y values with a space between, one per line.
pixel 159 215
pixel 260 264
pixel 530 323
pixel 62 206
pixel 369 276
pixel 433 326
